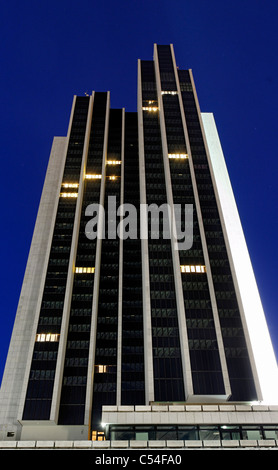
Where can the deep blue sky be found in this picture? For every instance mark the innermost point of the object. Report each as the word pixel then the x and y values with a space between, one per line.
pixel 51 50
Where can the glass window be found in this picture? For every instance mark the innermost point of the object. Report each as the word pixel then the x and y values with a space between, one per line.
pixel 145 433
pixel 187 433
pixel 141 436
pixel 209 433
pixel 166 432
pixel 270 432
pixel 125 433
pixel 252 432
pixel 230 432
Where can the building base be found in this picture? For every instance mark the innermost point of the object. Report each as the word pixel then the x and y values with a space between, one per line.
pixel 145 446
pixel 43 431
pixel 159 426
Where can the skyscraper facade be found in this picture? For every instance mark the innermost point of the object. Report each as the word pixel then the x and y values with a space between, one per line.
pixel 124 304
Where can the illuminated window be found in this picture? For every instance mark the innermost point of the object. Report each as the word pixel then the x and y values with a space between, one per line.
pixel 98 436
pixel 68 194
pixel 113 162
pixel 101 369
pixel 84 270
pixel 150 108
pixel 178 155
pixel 112 178
pixel 70 185
pixel 50 337
pixel 93 177
pixel 193 269
pixel 169 92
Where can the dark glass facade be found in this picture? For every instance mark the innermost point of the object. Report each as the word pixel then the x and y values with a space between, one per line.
pixel 103 353
pixel 42 374
pixel 204 354
pixel 236 354
pixel 168 379
pixel 132 354
pixel 73 396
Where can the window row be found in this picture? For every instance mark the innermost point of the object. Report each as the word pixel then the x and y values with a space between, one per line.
pixel 42 374
pixel 75 380
pixel 183 432
pixel 47 337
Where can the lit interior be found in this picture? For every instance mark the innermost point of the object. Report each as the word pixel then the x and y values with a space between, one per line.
pixel 81 270
pixel 193 269
pixel 150 108
pixel 93 177
pixel 68 194
pixel 44 337
pixel 113 162
pixel 177 155
pixel 70 185
pixel 98 436
pixel 101 369
pixel 169 92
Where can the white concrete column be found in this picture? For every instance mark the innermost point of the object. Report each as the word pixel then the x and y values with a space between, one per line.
pixel 204 243
pixel 101 222
pixel 186 365
pixel 19 357
pixel 147 322
pixel 262 357
pixel 55 405
pixel 45 222
pixel 120 292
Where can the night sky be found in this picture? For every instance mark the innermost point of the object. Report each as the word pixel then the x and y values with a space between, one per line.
pixel 51 50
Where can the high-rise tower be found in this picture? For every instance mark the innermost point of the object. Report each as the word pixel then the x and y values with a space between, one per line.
pixel 114 310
